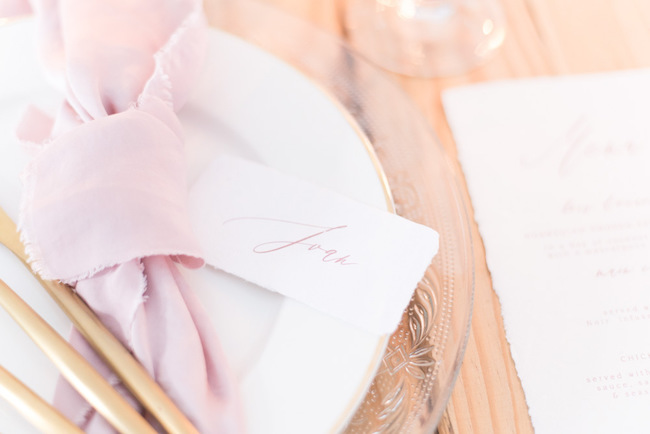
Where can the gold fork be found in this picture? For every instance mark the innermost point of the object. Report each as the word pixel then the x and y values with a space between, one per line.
pixel 118 358
pixel 81 375
pixel 41 414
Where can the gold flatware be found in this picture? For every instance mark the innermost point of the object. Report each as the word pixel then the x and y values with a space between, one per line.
pixel 32 407
pixel 79 373
pixel 118 358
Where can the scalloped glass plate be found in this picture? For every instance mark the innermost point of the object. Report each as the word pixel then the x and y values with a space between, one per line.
pixel 417 371
pixel 306 105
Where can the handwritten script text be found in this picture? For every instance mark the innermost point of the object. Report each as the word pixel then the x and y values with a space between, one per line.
pixel 306 242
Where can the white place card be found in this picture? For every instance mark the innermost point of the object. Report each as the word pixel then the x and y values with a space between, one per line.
pixel 344 258
pixel 558 170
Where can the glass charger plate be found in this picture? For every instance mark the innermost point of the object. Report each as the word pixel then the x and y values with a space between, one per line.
pixel 421 362
pixel 417 369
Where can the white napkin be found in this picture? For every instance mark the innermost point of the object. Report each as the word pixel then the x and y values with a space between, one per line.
pixel 558 170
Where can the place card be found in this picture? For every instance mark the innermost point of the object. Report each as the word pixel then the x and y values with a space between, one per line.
pixel 558 170
pixel 344 258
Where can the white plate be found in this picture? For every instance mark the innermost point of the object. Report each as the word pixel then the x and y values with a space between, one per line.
pixel 299 370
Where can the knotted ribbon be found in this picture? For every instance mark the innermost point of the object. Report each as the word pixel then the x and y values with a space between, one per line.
pixel 104 203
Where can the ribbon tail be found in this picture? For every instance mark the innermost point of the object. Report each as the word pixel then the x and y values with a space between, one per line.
pixel 170 334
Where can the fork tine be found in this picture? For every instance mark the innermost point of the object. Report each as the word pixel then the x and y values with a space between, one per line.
pixel 32 407
pixel 81 375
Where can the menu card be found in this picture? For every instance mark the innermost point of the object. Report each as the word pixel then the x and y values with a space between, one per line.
pixel 558 170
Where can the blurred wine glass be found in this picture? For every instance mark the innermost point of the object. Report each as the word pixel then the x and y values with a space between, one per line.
pixel 425 38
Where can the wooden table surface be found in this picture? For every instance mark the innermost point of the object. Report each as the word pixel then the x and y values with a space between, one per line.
pixel 545 37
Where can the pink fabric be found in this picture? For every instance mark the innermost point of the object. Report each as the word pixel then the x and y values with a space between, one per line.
pixel 13 8
pixel 104 206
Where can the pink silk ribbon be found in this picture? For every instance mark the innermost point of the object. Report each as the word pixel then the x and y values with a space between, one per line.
pixel 104 203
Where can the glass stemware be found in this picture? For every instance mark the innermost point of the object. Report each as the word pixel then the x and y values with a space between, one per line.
pixel 425 38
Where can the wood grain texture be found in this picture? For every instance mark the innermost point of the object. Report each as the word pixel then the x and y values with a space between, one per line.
pixel 545 37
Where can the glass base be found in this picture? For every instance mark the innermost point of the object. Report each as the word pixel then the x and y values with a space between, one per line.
pixel 425 38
